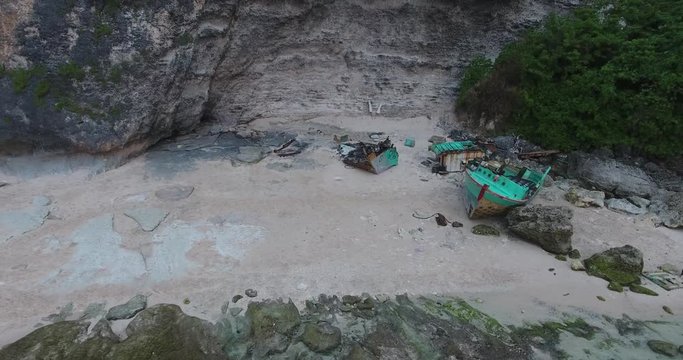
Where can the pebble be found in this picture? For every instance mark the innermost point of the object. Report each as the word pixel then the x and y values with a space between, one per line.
pixel 251 293
pixel 600 298
pixel 667 309
pixel 236 298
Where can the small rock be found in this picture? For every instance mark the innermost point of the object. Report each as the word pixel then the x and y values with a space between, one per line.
pixel 485 230
pixel 235 311
pixel 382 298
pixel 456 224
pixel 236 298
pixel 662 347
pixel 350 299
pixel 600 298
pixel 251 293
pixel 148 218
pixel 551 269
pixel 366 304
pixel 174 193
pixel 127 310
pixel 186 301
pixel 41 200
pixel 624 206
pixel 667 309
pixel 577 265
pixel 585 198
pixel 642 290
pixel 575 254
pixel 561 257
pixel 93 310
pixel 322 337
pixel 639 202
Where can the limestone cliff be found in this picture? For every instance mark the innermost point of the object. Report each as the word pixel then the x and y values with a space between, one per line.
pixel 100 75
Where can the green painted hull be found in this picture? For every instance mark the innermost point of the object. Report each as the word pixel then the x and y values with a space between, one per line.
pixel 489 194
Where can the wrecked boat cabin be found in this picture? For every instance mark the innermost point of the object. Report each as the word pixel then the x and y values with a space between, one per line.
pixel 452 156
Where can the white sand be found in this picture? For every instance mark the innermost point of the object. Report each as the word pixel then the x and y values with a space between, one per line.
pixel 317 227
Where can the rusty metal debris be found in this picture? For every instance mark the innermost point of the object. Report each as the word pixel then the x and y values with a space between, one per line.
pixel 374 158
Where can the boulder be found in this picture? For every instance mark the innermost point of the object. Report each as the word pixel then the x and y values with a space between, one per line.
pixel 548 226
pixel 668 207
pixel 624 206
pixel 663 347
pixel 129 309
pixel 585 198
pixel 610 175
pixel 321 337
pixel 577 265
pixel 621 265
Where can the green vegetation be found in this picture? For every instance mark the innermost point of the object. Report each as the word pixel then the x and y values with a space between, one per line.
pixel 68 104
pixel 608 75
pixel 42 89
pixel 21 78
pixel 102 30
pixel 478 69
pixel 71 71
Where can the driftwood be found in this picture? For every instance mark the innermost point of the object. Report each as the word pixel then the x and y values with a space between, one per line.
pixel 537 154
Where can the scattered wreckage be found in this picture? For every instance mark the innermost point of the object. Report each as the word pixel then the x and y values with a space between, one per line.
pixel 375 158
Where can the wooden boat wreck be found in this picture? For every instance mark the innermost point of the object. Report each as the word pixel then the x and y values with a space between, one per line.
pixel 492 188
pixel 374 158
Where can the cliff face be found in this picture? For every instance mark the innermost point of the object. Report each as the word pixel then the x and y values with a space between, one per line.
pixel 100 75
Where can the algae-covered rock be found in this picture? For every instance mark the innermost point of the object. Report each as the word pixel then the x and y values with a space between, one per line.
pixel 561 257
pixel 615 286
pixel 321 337
pixel 485 230
pixel 621 265
pixel 548 226
pixel 129 309
pixel 642 290
pixel 49 342
pixel 662 347
pixel 165 332
pixel 272 324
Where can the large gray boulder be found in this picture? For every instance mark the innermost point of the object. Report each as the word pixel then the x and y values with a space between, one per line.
pixel 621 265
pixel 610 175
pixel 669 209
pixel 548 226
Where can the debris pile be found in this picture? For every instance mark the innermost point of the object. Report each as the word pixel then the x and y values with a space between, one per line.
pixel 374 158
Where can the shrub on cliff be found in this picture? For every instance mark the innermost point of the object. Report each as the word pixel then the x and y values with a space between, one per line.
pixel 610 74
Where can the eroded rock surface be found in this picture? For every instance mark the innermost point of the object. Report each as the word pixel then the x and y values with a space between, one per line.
pixel 106 75
pixel 621 265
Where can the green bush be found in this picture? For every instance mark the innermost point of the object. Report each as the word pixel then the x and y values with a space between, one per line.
pixel 611 74
pixel 478 69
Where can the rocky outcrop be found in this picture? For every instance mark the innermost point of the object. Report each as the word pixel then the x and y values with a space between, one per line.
pixel 621 266
pixel 669 209
pixel 99 76
pixel 624 206
pixel 610 175
pixel 548 226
